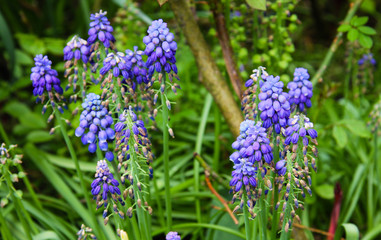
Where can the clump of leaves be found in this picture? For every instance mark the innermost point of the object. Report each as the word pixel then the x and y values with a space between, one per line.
pixel 356 30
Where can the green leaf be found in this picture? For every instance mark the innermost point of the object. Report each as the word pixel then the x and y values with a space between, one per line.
pixel 352 34
pixel 357 127
pixel 23 59
pixel 257 4
pixel 31 44
pixel 340 136
pixel 55 45
pixel 32 120
pixel 325 191
pixel 365 41
pixel 344 28
pixel 359 21
pixel 351 231
pixel 367 30
pixel 6 36
pixel 16 109
pixel 46 235
pixel 161 2
pixel 38 136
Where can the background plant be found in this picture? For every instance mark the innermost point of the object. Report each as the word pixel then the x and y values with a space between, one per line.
pixel 347 149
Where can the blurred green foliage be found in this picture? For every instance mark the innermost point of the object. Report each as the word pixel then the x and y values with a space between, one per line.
pixel 346 145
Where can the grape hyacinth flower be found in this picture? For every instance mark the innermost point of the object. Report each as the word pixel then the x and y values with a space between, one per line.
pixel 85 233
pixel 252 147
pixel 173 236
pixel 117 63
pixel 45 78
pixel 252 143
pixel 160 48
pixel 274 103
pixel 300 90
pixel 280 167
pixel 76 48
pixel 249 99
pixel 131 128
pixel 96 119
pixel 100 29
pixel 299 127
pixel 367 58
pixel 104 186
pixel 138 66
pixel 133 149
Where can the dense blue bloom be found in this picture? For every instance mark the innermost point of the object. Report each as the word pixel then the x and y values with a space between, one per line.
pixel 138 66
pixel 97 121
pixel 100 29
pixel 274 103
pixel 367 58
pixel 44 77
pixel 244 173
pixel 160 48
pixel 105 184
pixel 252 145
pixel 300 89
pixel 299 127
pixel 116 62
pixel 76 48
pixel 173 236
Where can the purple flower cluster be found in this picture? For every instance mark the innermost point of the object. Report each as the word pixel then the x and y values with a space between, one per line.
pixel 76 48
pixel 130 126
pixel 160 48
pixel 173 236
pixel 96 119
pixel 367 58
pixel 138 66
pixel 105 183
pixel 44 77
pixel 252 145
pixel 117 63
pixel 100 29
pixel 274 103
pixel 299 127
pixel 300 89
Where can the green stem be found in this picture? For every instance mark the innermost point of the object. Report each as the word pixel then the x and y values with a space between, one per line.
pixel 4 228
pixel 79 173
pixel 168 203
pixel 20 169
pixel 348 75
pixel 370 198
pixel 335 44
pixel 20 210
pixel 246 216
pixel 128 202
pixel 158 203
pixel 217 142
pixel 30 188
pixel 198 148
pixel 141 214
pixel 274 224
pixel 263 215
pixel 255 230
pixel 3 134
